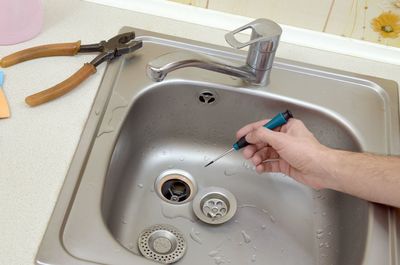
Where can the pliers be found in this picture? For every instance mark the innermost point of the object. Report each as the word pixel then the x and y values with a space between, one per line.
pixel 113 48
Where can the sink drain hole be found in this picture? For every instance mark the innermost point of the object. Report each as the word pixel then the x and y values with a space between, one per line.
pixel 175 190
pixel 175 186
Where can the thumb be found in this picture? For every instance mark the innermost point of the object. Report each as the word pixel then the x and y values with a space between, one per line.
pixel 263 135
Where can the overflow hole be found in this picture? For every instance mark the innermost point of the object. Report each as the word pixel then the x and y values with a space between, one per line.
pixel 207 97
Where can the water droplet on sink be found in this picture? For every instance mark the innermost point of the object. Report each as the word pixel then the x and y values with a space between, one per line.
pixel 140 185
pixel 195 236
pixel 219 260
pixel 248 205
pixel 320 233
pixel 213 253
pixel 246 237
pixel 170 166
pixel 253 258
pixel 172 212
pixel 321 245
pixel 245 165
pixel 263 227
pixel 271 217
pixel 182 159
pixel 206 158
pixel 229 172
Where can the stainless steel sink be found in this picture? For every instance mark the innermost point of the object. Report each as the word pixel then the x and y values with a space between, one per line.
pixel 138 129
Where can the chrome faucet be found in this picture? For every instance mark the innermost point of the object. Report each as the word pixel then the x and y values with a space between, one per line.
pixel 263 43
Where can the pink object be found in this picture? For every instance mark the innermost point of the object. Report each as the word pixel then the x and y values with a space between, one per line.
pixel 20 20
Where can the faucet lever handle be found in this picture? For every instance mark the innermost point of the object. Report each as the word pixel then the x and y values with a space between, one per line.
pixel 263 30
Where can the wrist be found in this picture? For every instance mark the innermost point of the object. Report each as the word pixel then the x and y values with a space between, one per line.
pixel 330 162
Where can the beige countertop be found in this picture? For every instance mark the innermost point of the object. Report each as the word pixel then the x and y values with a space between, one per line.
pixel 37 144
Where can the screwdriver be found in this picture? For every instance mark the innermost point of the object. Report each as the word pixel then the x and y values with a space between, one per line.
pixel 279 120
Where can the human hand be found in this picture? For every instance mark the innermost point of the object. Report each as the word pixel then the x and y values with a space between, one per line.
pixel 293 150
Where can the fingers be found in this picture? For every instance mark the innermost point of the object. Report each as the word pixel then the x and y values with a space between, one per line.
pixel 270 166
pixel 295 127
pixel 250 127
pixel 264 154
pixel 291 124
pixel 249 151
pixel 265 136
pixel 259 140
pixel 260 155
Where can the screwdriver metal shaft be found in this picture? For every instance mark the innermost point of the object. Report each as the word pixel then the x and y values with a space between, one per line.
pixel 279 120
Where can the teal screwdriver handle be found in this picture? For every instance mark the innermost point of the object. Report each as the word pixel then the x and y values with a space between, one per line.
pixel 279 120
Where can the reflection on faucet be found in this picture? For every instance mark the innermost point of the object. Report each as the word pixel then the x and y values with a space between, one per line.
pixel 161 66
pixel 263 44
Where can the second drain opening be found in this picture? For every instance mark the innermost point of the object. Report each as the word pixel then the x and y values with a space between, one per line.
pixel 175 186
pixel 175 190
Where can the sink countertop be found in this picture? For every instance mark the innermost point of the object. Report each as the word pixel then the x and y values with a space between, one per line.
pixel 37 144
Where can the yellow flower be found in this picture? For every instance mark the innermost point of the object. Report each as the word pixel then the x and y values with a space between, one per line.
pixel 387 25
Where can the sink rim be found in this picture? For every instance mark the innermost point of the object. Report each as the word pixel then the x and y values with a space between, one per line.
pixel 52 247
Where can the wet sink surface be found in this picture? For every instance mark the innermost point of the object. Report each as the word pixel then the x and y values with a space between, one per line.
pixel 284 220
pixel 138 129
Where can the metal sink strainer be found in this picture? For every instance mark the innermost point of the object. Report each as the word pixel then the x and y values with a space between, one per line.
pixel 214 205
pixel 162 243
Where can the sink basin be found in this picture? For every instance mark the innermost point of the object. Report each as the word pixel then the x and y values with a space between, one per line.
pixel 138 130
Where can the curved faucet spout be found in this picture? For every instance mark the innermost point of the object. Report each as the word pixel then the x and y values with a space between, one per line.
pixel 263 43
pixel 158 69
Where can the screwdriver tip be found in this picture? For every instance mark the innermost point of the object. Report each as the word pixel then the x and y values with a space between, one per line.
pixel 209 164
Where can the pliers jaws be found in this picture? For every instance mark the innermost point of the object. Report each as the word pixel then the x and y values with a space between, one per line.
pixel 113 48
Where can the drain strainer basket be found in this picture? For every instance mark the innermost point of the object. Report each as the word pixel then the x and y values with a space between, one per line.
pixel 214 205
pixel 162 243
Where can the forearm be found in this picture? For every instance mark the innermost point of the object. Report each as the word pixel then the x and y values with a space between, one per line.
pixel 371 177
